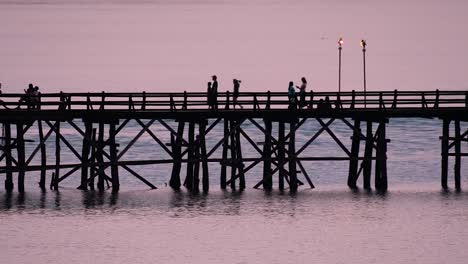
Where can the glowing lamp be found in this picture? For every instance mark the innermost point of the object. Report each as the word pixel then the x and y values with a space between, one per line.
pixel 340 41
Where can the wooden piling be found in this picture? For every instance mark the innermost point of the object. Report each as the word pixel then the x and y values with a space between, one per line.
pixel 233 149
pixel 189 176
pixel 367 163
pixel 224 155
pixel 381 159
pixel 57 157
pixel 203 156
pixel 292 157
pixel 85 155
pixel 8 160
pixel 267 177
pixel 174 182
pixel 239 160
pixel 93 159
pixel 21 156
pixel 99 157
pixel 196 167
pixel 457 165
pixel 113 158
pixel 42 181
pixel 354 162
pixel 281 155
pixel 445 150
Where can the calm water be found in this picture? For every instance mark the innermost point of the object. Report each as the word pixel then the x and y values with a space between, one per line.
pixel 176 45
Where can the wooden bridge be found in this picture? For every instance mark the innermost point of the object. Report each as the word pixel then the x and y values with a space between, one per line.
pixel 105 115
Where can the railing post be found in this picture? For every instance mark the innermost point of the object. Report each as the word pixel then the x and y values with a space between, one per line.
pixel 184 106
pixel 423 101
pixel 466 100
pixel 103 99
pixel 143 104
pixel 395 95
pixel 255 103
pixel 172 105
pixel 311 101
pixel 381 102
pixel 131 106
pixel 268 106
pixel 353 98
pixel 436 103
pixel 88 103
pixel 227 100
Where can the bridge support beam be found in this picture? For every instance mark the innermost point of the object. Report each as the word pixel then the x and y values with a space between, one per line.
pixel 267 176
pixel 85 149
pixel 42 181
pixel 354 162
pixel 457 165
pixel 113 158
pixel 281 155
pixel 225 154
pixel 174 182
pixel 445 150
pixel 367 163
pixel 293 184
pixel 381 158
pixel 204 157
pixel 21 156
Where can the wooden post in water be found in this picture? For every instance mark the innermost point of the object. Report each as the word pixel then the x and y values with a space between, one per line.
pixel 196 168
pixel 233 148
pixel 292 157
pixel 203 156
pixel 239 160
pixel 445 150
pixel 100 158
pixel 21 156
pixel 174 182
pixel 189 177
pixel 457 165
pixel 42 181
pixel 85 155
pixel 354 162
pixel 281 155
pixel 57 157
pixel 8 161
pixel 381 159
pixel 93 159
pixel 267 177
pixel 225 152
pixel 113 158
pixel 367 163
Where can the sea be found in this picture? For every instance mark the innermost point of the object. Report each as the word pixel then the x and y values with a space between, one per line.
pixel 162 45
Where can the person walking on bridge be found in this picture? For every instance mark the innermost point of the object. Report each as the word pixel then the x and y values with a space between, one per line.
pixel 302 92
pixel 235 93
pixel 291 96
pixel 214 91
pixel 209 96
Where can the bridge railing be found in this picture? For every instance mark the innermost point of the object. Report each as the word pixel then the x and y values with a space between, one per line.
pixel 382 100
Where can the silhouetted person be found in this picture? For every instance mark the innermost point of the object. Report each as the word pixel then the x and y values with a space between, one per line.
pixel 291 96
pixel 302 92
pixel 0 88
pixel 35 98
pixel 214 89
pixel 27 95
pixel 235 94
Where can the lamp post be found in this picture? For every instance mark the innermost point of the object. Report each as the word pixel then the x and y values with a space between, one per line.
pixel 363 45
pixel 340 43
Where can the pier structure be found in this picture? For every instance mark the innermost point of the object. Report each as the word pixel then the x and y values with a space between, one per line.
pixel 99 118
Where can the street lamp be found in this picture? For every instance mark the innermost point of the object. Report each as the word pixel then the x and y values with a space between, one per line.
pixel 363 45
pixel 340 43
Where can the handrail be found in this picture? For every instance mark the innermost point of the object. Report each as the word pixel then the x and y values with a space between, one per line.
pixel 179 101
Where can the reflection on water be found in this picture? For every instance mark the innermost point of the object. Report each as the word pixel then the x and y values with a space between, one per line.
pixel 330 225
